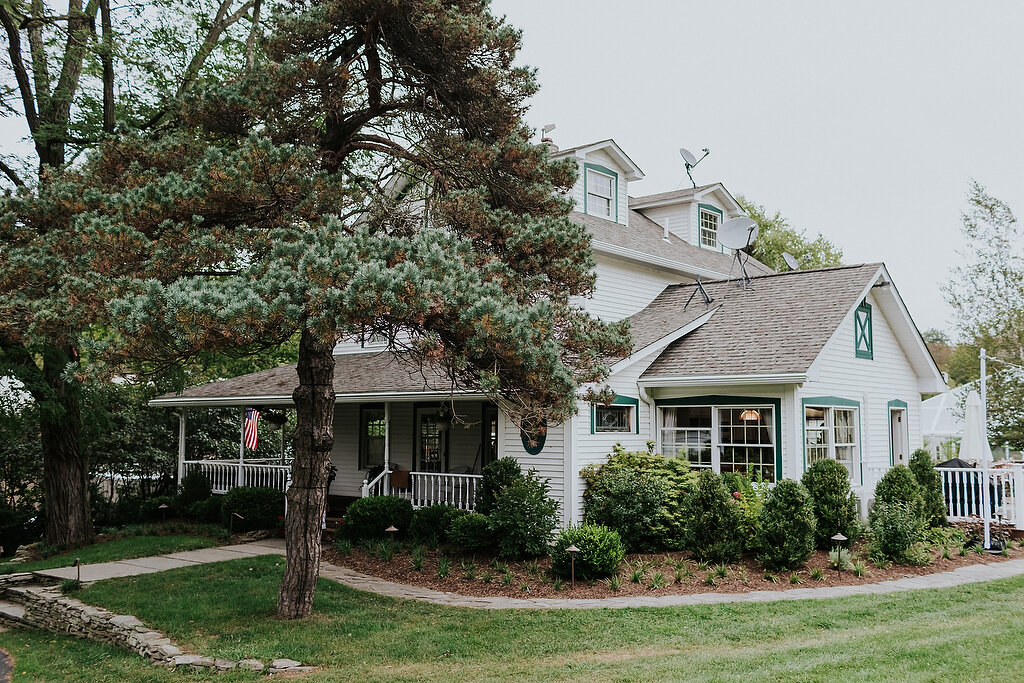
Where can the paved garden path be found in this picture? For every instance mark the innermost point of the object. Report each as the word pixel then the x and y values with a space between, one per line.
pixel 147 565
pixel 159 563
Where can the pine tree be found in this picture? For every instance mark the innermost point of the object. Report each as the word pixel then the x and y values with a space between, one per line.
pixel 68 73
pixel 372 174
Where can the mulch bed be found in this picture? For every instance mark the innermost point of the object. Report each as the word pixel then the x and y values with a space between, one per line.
pixel 531 579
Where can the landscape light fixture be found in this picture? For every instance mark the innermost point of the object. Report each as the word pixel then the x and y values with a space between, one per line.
pixel 572 550
pixel 839 539
pixel 163 508
pixel 231 522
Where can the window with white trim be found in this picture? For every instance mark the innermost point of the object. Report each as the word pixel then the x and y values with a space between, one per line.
pixel 709 228
pixel 613 418
pixel 738 438
pixel 830 433
pixel 600 194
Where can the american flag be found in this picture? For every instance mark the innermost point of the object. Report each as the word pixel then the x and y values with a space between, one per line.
pixel 252 427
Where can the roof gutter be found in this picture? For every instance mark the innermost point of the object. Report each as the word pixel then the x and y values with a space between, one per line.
pixel 722 380
pixel 657 261
pixel 237 401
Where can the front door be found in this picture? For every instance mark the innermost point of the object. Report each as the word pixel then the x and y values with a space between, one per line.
pixel 431 453
pixel 898 435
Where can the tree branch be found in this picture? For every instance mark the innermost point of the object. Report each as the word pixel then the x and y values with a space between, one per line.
pixel 11 173
pixel 20 73
pixel 250 43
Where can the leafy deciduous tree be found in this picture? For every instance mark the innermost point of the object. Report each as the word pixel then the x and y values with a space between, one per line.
pixel 777 236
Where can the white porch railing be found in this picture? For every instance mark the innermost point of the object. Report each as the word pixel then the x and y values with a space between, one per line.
pixel 225 475
pixel 962 490
pixel 428 488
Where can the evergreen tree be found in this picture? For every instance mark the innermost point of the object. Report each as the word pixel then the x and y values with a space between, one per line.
pixel 76 75
pixel 373 173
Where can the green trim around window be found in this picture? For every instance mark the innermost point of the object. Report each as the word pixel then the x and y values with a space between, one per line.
pixel 863 332
pixel 721 219
pixel 831 402
pixel 899 405
pixel 716 400
pixel 615 187
pixel 617 401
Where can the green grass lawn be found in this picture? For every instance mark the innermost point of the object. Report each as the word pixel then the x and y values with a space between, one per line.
pixel 117 549
pixel 226 609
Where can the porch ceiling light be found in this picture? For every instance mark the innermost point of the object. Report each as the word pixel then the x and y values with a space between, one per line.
pixel 749 415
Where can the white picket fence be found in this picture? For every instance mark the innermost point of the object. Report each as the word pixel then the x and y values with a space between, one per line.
pixel 225 475
pixel 428 488
pixel 962 490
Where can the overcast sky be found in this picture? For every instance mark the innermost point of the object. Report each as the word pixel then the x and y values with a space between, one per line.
pixel 862 121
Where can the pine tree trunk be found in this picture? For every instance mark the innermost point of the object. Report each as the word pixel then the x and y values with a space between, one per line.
pixel 307 496
pixel 65 467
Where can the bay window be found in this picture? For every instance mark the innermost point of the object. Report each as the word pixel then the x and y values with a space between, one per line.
pixel 734 438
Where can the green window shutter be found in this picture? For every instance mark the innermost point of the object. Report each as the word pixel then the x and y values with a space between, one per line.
pixel 862 339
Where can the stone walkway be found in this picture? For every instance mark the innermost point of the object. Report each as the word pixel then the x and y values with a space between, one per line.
pixel 159 563
pixel 957 577
pixel 275 546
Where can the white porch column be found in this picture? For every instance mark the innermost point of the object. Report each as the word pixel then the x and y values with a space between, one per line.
pixel 240 480
pixel 181 445
pixel 387 448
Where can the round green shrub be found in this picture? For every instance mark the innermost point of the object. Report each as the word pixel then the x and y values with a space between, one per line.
pixel 207 511
pixel 712 526
pixel 929 485
pixel 433 522
pixel 471 532
pixel 600 551
pixel 785 536
pixel 633 504
pixel 523 518
pixel 899 486
pixel 750 498
pixel 18 526
pixel 369 517
pixel 895 528
pixel 834 504
pixel 149 509
pixel 194 487
pixel 261 507
pixel 496 476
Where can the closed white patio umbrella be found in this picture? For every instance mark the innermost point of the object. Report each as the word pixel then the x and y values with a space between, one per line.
pixel 974 446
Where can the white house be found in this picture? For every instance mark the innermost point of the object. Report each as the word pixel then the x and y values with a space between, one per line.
pixel 766 376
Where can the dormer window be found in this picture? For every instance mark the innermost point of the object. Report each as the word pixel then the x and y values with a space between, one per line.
pixel 710 219
pixel 601 187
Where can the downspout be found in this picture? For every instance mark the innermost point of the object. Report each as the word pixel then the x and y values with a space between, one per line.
pixel 648 400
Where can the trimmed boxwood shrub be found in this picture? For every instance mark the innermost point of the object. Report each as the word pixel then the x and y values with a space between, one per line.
pixel 713 528
pixel 433 522
pixel 835 505
pixel 260 506
pixel 471 532
pixel 751 499
pixel 523 518
pixel 195 486
pixel 785 536
pixel 496 476
pixel 369 517
pixel 633 504
pixel 929 485
pixel 895 528
pixel 208 510
pixel 673 473
pixel 899 486
pixel 600 551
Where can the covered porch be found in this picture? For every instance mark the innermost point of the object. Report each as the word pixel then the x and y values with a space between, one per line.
pixel 394 433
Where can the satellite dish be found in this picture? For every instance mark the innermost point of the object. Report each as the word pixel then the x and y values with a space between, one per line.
pixel 737 233
pixel 790 261
pixel 691 161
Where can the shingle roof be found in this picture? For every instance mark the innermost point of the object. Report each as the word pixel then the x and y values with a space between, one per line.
pixel 684 193
pixel 355 373
pixel 644 235
pixel 778 324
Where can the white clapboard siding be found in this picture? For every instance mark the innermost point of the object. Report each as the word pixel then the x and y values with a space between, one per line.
pixel 549 463
pixel 888 376
pixel 623 288
pixel 675 218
